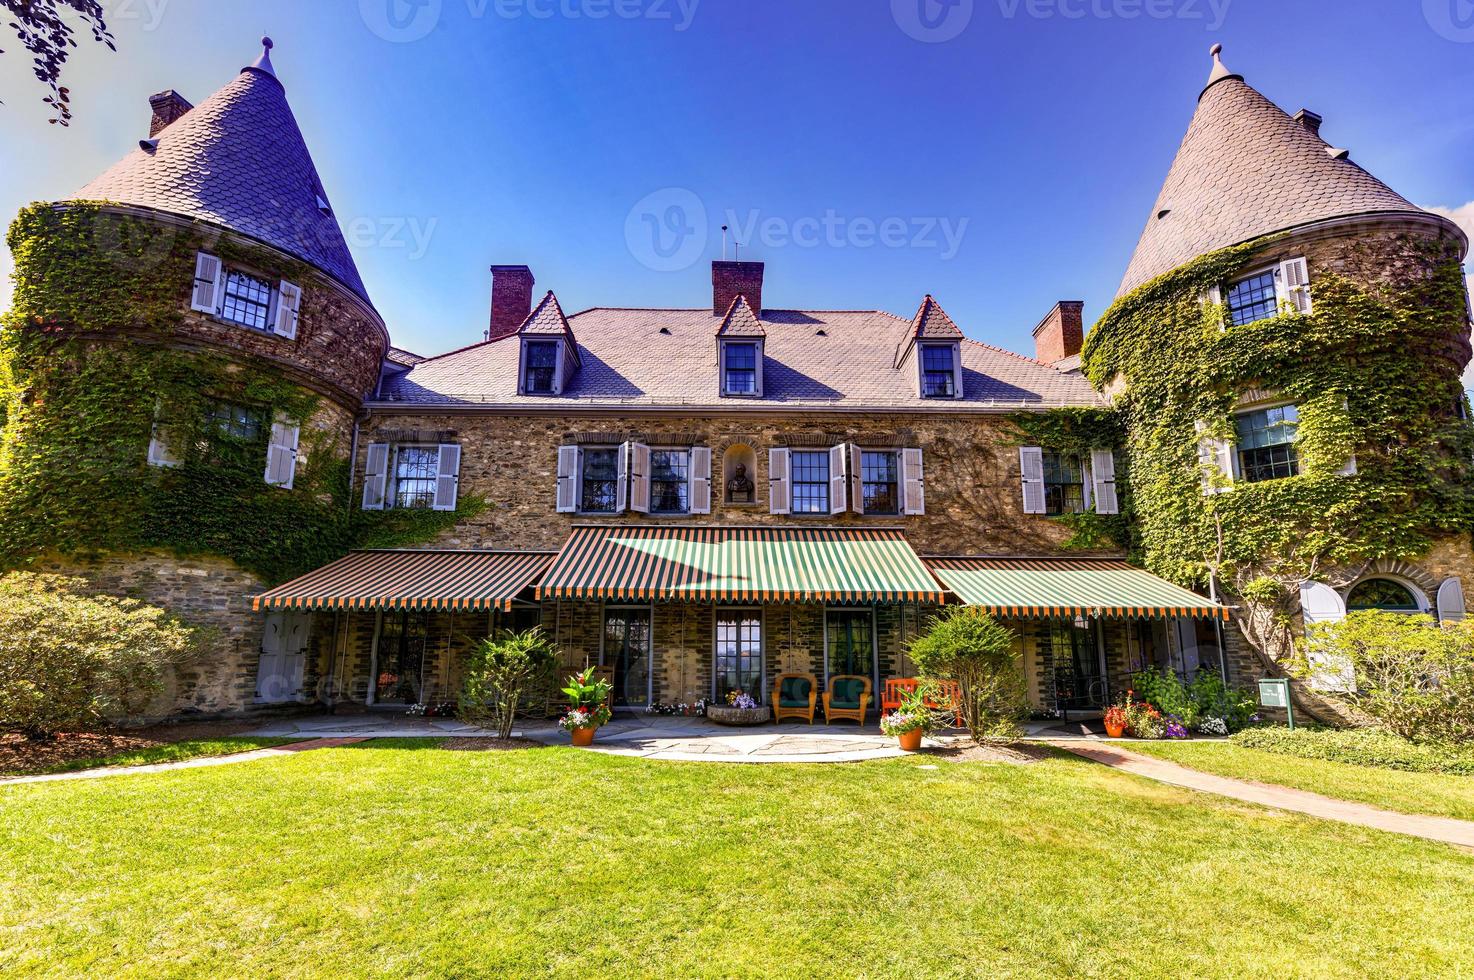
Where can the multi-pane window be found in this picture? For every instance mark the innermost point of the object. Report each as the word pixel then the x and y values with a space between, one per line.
pixel 247 300
pixel 600 481
pixel 1381 593
pixel 1266 443
pixel 741 369
pixel 415 468
pixel 739 653
pixel 239 423
pixel 1252 299
pixel 542 366
pixel 670 481
pixel 937 377
pixel 1064 484
pixel 850 638
pixel 880 479
pixel 810 481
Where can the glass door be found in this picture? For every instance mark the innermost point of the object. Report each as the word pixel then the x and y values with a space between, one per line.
pixel 399 656
pixel 849 642
pixel 627 650
pixel 1078 682
pixel 739 653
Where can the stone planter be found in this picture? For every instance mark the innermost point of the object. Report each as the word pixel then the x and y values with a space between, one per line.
pixel 724 715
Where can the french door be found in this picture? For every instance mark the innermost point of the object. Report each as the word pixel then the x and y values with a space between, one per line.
pixel 399 657
pixel 1079 677
pixel 738 653
pixel 627 650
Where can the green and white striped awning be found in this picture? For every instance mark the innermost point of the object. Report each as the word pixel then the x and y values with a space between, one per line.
pixel 412 580
pixel 739 564
pixel 1055 587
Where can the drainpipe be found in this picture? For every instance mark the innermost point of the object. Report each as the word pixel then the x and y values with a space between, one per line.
pixel 353 455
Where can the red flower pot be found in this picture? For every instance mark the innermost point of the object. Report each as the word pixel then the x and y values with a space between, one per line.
pixel 1115 731
pixel 911 741
pixel 583 736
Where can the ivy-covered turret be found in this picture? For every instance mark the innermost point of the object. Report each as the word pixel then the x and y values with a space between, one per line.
pixel 1285 353
pixel 189 346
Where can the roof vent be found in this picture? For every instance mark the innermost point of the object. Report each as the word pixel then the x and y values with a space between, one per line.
pixel 821 332
pixel 1166 210
pixel 665 330
pixel 263 60
pixel 1337 153
pixel 1310 120
pixel 148 145
pixel 324 206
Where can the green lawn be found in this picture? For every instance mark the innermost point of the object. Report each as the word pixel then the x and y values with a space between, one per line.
pixel 1440 794
pixel 399 859
pixel 172 752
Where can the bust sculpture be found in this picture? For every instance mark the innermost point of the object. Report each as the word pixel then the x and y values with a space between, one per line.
pixel 740 487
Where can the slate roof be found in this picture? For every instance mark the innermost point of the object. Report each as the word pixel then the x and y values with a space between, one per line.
pixel 1246 168
pixel 238 160
pixel 402 357
pixel 740 321
pixel 812 359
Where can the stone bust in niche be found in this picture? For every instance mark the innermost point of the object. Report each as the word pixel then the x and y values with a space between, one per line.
pixel 740 487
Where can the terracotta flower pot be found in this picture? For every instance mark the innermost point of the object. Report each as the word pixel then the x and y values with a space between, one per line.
pixel 910 741
pixel 1115 731
pixel 583 736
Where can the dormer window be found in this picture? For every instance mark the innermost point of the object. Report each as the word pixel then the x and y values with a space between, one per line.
pixel 939 371
pixel 739 367
pixel 740 339
pixel 540 367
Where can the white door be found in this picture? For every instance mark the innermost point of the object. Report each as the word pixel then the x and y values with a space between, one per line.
pixel 283 656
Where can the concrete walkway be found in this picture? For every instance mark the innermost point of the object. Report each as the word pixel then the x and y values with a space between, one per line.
pixel 1445 829
pixel 200 763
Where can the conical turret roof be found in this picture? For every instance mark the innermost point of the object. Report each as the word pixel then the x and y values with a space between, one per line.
pixel 238 159
pixel 1246 168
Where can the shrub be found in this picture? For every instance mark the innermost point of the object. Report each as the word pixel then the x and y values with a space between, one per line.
pixel 1413 676
pixel 1198 703
pixel 979 653
pixel 499 673
pixel 1361 747
pixel 73 660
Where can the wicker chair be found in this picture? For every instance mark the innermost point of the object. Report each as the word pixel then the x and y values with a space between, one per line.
pixel 794 696
pixel 848 697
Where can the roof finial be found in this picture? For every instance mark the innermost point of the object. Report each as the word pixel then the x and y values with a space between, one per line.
pixel 1220 71
pixel 263 62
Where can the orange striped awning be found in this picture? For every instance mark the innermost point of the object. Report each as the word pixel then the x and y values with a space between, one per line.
pixel 1032 588
pixel 412 580
pixel 739 564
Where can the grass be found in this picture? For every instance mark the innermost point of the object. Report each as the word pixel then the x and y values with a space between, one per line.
pixel 172 752
pixel 398 859
pixel 1439 794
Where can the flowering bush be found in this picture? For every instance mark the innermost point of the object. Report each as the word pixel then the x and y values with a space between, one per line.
pixel 1213 726
pixel 696 708
pixel 1175 728
pixel 1115 716
pixel 1142 719
pixel 741 699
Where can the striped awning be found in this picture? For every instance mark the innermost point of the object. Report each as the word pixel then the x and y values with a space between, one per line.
pixel 745 564
pixel 412 580
pixel 1046 587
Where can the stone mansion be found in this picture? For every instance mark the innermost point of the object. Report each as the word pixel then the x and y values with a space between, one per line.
pixel 702 498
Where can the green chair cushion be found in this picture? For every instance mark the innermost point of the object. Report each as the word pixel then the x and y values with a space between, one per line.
pixel 845 692
pixel 793 692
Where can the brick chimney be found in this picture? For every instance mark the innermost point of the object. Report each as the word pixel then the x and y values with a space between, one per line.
pixel 732 279
pixel 168 106
pixel 1061 334
pixel 511 299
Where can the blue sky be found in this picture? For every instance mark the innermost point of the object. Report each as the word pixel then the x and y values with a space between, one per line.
pixel 1001 155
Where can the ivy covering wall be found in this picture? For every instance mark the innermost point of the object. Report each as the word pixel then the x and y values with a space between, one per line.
pixel 1363 369
pixel 89 360
pixel 1075 432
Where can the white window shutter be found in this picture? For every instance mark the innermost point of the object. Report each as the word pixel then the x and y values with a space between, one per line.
pixel 1319 603
pixel 639 477
pixel 1103 481
pixel 281 453
pixel 1031 466
pixel 857 479
pixel 839 478
pixel 1349 467
pixel 1293 283
pixel 1215 456
pixel 957 371
pixel 447 477
pixel 1450 600
pixel 209 284
pixel 376 476
pixel 160 452
pixel 779 488
pixel 622 478
pixel 913 482
pixel 288 302
pixel 569 467
pixel 700 481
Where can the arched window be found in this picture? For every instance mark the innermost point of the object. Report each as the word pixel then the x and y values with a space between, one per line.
pixel 1381 593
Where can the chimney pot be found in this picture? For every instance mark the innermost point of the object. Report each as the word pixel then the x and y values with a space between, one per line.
pixel 168 106
pixel 732 279
pixel 1061 334
pixel 511 299
pixel 1310 120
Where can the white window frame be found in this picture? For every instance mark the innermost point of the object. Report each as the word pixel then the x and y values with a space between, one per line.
pixel 1237 474
pixel 650 478
pixel 828 452
pixel 558 361
pixel 1271 269
pixel 391 476
pixel 762 640
pixel 920 354
pixel 754 342
pixel 284 300
pixel 857 479
pixel 620 473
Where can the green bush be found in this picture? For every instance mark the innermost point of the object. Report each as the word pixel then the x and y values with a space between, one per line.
pixel 1206 697
pixel 1360 747
pixel 1414 676
pixel 71 660
pixel 499 674
pixel 979 653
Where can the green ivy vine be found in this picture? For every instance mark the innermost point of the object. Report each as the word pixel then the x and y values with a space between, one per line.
pixel 1075 432
pixel 1361 369
pixel 87 369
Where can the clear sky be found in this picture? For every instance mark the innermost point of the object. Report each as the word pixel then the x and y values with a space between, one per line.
pixel 1000 154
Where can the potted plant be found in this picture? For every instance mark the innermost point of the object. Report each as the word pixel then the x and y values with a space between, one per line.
pixel 1115 721
pixel 910 721
pixel 588 706
pixel 741 709
pixel 1142 719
